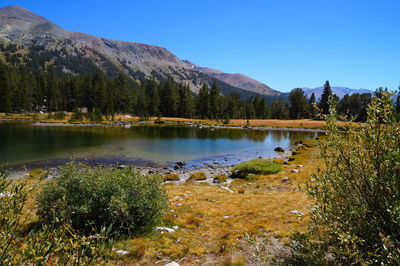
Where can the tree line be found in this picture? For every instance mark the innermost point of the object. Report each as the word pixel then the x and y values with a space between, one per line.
pixel 22 90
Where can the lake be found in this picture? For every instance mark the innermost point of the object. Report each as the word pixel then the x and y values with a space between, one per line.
pixel 25 143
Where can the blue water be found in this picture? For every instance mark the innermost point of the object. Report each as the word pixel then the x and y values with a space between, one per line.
pixel 24 142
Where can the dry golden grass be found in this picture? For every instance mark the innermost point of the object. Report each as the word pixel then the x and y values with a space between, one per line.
pixel 212 222
pixel 301 123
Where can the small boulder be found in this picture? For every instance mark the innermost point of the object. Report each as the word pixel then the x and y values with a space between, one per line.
pixel 164 229
pixel 295 171
pixel 172 264
pixel 180 164
pixel 285 179
pixel 279 149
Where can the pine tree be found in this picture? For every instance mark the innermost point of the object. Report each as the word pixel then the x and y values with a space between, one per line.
pixel 153 105
pixel 214 106
pixel 299 106
pixel 324 102
pixel 203 102
pixel 169 101
pixel 279 109
pixel 312 105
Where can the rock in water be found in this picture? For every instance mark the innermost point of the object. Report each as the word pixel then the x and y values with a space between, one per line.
pixel 279 149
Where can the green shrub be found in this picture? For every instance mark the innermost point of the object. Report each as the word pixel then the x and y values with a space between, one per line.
pixel 59 115
pixel 95 197
pixel 77 115
pixel 198 176
pixel 24 244
pixel 251 177
pixel 258 167
pixel 355 218
pixel 220 178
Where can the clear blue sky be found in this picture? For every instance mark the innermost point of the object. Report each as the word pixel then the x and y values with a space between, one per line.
pixel 283 43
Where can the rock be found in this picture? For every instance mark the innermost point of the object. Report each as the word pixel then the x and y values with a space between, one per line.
pixel 176 167
pixel 121 252
pixel 312 180
pixel 122 166
pixel 172 264
pixel 295 212
pixel 300 166
pixel 127 116
pixel 164 229
pixel 127 126
pixel 227 189
pixel 279 149
pixel 295 171
pixel 175 227
pixel 180 164
pixel 285 179
pixel 226 216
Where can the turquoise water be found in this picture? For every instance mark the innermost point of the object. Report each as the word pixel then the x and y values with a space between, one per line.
pixel 24 142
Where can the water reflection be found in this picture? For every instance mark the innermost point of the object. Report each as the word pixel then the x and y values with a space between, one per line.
pixel 24 142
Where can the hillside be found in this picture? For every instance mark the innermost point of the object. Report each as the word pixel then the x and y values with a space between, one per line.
pixel 39 43
pixel 236 80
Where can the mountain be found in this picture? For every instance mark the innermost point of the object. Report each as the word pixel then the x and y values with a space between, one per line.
pixel 236 80
pixel 339 91
pixel 39 43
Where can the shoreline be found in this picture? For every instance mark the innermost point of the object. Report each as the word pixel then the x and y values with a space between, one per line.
pixel 173 123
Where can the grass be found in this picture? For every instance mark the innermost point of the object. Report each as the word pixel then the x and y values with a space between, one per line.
pixel 301 123
pixel 257 166
pixel 198 176
pixel 216 227
pixel 171 177
pixel 220 178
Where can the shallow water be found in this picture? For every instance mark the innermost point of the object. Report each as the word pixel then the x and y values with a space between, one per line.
pixel 26 143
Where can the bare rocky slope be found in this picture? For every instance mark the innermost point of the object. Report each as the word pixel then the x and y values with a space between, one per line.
pixel 236 80
pixel 67 49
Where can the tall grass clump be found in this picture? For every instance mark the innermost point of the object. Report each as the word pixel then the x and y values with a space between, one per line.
pixel 95 197
pixel 355 217
pixel 257 166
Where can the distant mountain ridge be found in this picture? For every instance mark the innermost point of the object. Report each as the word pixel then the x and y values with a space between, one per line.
pixel 339 91
pixel 67 49
pixel 237 80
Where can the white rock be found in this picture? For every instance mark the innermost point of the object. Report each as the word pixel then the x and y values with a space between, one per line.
pixel 227 189
pixel 300 166
pixel 312 180
pixel 226 216
pixel 285 179
pixel 127 116
pixel 122 252
pixel 296 212
pixel 175 227
pixel 295 171
pixel 164 229
pixel 127 126
pixel 172 264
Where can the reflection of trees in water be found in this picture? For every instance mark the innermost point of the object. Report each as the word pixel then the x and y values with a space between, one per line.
pixel 198 133
pixel 293 136
pixel 171 132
